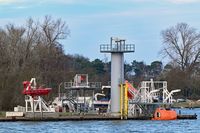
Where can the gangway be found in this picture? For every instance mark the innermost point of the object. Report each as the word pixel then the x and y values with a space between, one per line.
pixel 131 90
pixel 133 93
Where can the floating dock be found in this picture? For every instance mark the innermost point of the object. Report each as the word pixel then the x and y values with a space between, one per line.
pixel 187 116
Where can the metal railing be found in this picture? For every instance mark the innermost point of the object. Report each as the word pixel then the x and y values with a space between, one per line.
pixel 71 85
pixel 117 48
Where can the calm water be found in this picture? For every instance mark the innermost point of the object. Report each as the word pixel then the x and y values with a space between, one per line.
pixel 177 126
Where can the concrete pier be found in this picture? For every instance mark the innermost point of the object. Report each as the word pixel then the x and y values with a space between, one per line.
pixel 84 117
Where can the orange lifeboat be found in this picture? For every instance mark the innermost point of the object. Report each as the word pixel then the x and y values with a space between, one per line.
pixel 164 114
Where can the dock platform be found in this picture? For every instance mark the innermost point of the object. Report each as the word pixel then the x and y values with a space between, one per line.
pixel 84 117
pixel 187 116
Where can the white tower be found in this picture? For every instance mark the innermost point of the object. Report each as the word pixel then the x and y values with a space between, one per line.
pixel 117 48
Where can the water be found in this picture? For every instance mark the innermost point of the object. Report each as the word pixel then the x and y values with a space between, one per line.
pixel 146 126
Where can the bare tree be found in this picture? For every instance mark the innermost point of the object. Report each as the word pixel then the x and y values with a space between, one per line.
pixel 30 50
pixel 181 43
pixel 53 31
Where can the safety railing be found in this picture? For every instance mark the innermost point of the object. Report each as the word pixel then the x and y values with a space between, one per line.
pixel 117 48
pixel 71 85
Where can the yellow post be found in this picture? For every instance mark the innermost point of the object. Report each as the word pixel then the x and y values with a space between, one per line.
pixel 121 100
pixel 126 101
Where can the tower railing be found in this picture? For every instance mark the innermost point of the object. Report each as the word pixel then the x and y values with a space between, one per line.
pixel 107 48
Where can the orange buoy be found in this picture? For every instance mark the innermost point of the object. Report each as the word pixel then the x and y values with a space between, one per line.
pixel 164 114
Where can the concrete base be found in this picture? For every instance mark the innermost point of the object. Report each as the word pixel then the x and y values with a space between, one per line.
pixel 41 115
pixel 115 114
pixel 14 114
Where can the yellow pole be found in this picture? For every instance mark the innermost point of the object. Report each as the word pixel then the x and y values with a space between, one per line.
pixel 126 101
pixel 121 100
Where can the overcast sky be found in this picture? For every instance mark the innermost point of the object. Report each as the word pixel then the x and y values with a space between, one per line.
pixel 93 22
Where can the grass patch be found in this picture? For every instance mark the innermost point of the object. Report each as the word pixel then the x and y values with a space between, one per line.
pixel 186 105
pixel 2 114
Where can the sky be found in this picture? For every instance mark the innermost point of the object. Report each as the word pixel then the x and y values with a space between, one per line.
pixel 93 22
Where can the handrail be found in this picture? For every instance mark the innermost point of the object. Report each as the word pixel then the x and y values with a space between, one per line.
pixel 70 85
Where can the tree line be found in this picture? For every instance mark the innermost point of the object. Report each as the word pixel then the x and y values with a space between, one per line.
pixel 34 50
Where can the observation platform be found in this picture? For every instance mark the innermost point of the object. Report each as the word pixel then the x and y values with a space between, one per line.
pixel 81 82
pixel 88 86
pixel 117 48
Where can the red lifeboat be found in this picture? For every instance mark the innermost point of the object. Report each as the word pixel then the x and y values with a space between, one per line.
pixel 131 90
pixel 33 91
pixel 164 114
